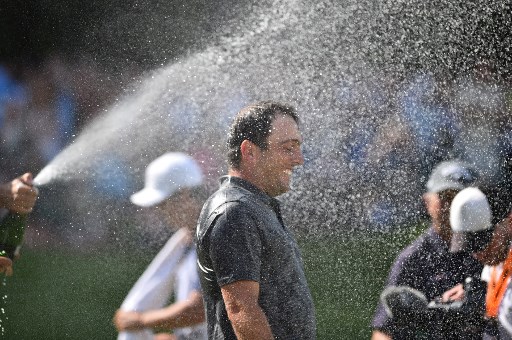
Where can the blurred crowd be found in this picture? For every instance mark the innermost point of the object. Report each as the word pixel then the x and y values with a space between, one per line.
pixel 399 128
pixel 44 104
pixel 431 118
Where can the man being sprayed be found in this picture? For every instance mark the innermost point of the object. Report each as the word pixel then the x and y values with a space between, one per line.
pixel 250 267
pixel 17 199
pixel 428 266
pixel 173 187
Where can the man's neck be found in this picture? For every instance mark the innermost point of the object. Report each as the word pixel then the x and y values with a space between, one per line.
pixel 444 231
pixel 245 176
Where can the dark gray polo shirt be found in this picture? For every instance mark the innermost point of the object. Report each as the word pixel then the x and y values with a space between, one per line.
pixel 241 236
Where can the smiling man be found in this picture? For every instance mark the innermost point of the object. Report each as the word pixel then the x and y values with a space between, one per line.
pixel 250 266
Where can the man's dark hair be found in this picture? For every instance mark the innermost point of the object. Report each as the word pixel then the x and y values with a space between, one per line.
pixel 253 123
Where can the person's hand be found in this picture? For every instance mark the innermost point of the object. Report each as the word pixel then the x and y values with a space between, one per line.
pixel 128 321
pixel 454 294
pixel 6 265
pixel 19 195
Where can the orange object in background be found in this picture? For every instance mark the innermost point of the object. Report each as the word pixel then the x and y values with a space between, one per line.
pixel 497 286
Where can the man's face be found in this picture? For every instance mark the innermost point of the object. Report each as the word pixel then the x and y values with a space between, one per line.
pixel 438 206
pixel 445 201
pixel 179 210
pixel 275 164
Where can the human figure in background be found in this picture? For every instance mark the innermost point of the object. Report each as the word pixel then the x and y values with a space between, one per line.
pixel 174 189
pixel 472 231
pixel 497 258
pixel 462 307
pixel 250 266
pixel 17 197
pixel 427 264
pixel 498 279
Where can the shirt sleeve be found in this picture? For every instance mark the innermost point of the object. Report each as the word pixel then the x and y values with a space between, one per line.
pixel 381 320
pixel 235 246
pixel 399 275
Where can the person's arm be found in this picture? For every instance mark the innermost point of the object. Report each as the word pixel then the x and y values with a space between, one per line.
pixel 246 316
pixel 403 272
pixel 177 315
pixel 19 195
pixel 378 335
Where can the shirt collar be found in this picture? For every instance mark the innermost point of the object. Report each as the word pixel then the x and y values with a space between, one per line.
pixel 240 182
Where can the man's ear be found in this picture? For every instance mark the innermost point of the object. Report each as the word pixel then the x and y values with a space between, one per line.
pixel 430 201
pixel 247 148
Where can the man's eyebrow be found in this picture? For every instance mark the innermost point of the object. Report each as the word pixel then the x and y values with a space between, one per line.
pixel 291 140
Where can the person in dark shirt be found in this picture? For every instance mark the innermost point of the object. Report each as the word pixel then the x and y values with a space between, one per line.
pixel 250 267
pixel 428 266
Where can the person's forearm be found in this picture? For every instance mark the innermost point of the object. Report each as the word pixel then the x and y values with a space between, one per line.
pixel 250 323
pixel 178 315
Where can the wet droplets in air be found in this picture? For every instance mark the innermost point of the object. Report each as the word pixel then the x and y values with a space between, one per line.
pixel 3 304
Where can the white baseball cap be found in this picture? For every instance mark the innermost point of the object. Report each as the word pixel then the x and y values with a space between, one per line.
pixel 470 220
pixel 166 175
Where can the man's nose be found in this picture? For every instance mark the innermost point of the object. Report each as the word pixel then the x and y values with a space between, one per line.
pixel 298 158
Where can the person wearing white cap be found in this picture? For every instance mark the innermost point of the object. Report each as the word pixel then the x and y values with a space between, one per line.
pixel 174 188
pixel 497 258
pixel 428 266
pixel 471 222
pixel 470 219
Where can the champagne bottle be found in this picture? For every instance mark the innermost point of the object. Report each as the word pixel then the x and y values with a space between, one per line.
pixel 12 229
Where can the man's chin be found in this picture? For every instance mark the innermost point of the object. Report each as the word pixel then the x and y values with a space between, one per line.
pixel 283 189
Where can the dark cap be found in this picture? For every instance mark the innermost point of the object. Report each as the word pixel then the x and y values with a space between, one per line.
pixel 452 174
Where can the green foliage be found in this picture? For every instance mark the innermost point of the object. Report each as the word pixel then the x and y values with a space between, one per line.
pixel 71 295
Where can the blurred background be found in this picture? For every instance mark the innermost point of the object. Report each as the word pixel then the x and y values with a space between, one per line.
pixel 385 90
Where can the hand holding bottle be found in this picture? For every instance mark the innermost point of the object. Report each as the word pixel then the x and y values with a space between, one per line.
pixel 19 195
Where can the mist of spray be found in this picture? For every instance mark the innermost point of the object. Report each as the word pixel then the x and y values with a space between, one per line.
pixel 313 55
pixel 291 51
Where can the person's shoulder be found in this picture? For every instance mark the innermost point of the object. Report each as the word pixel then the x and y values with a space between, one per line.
pixel 411 261
pixel 224 210
pixel 228 194
pixel 417 248
pixel 220 200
